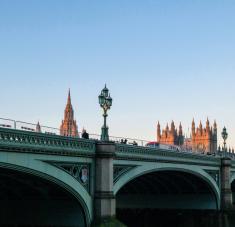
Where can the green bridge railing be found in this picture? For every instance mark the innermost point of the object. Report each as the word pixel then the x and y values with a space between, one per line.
pixel 20 140
pixel 30 141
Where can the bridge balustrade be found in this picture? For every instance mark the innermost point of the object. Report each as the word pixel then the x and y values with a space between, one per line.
pixel 39 140
pixel 43 142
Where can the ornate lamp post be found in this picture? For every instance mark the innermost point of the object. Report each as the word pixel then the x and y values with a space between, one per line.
pixel 224 136
pixel 105 102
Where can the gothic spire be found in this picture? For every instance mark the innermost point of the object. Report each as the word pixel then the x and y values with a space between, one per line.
pixel 69 98
pixel 193 124
pixel 193 127
pixel 207 124
pixel 158 131
pixel 69 125
pixel 180 130
pixel 38 127
pixel 214 129
pixel 158 127
pixel 200 125
pixel 172 126
pixel 215 125
pixel 167 127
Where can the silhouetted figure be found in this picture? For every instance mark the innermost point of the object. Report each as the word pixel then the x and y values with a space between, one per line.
pixel 124 141
pixel 135 143
pixel 85 135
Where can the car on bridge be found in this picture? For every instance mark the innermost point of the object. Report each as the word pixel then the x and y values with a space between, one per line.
pixel 155 144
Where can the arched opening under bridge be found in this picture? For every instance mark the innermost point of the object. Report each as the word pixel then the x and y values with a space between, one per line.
pixel 167 198
pixel 29 200
pixel 232 216
pixel 233 190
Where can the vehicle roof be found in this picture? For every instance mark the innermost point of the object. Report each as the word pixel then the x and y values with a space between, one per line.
pixel 152 142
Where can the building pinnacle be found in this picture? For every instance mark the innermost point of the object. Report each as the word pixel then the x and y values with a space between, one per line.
pixel 69 98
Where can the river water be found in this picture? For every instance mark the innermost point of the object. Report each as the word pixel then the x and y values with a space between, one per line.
pixel 175 218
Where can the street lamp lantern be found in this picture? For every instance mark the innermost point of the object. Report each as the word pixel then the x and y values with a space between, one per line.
pixel 101 99
pixel 224 136
pixel 109 101
pixel 105 102
pixel 105 91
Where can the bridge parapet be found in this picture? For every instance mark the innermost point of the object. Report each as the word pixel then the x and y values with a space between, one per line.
pixel 24 141
pixel 138 152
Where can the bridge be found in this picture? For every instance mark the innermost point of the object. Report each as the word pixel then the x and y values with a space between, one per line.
pixel 47 179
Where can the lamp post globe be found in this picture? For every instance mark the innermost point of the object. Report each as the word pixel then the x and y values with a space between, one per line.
pixel 105 102
pixel 224 136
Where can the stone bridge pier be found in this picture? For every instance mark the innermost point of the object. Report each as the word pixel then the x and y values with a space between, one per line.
pixel 104 202
pixel 226 192
pixel 227 208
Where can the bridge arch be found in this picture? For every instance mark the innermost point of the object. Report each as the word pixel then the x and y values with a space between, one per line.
pixel 48 172
pixel 151 168
pixel 232 177
pixel 232 183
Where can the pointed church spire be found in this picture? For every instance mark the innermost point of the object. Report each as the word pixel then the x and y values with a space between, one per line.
pixel 69 98
pixel 69 126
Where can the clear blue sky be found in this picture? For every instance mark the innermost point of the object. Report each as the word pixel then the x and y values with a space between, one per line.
pixel 161 60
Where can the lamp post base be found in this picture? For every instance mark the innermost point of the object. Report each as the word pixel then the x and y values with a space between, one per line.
pixel 104 134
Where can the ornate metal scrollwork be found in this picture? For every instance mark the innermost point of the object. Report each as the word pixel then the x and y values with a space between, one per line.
pixel 119 170
pixel 214 174
pixel 80 171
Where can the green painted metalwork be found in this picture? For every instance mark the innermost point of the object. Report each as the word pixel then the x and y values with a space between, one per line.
pixel 232 176
pixel 24 141
pixel 105 102
pixel 76 170
pixel 215 174
pixel 61 159
pixel 119 170
pixel 130 152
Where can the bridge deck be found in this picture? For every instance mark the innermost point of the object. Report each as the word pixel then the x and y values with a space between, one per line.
pixel 26 141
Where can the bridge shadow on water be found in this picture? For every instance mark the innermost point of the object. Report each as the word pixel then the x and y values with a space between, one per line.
pixel 173 218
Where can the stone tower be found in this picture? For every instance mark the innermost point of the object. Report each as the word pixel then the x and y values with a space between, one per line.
pixel 68 126
pixel 204 139
pixel 170 135
pixel 38 127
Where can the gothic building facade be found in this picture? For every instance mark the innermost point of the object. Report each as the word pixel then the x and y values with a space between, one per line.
pixel 170 135
pixel 204 139
pixel 201 140
pixel 69 125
